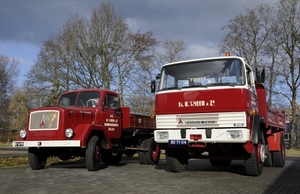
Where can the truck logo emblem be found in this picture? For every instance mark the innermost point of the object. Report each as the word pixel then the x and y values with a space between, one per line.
pixel 180 121
pixel 43 122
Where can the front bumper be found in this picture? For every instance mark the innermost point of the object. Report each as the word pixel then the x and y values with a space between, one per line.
pixel 215 135
pixel 49 143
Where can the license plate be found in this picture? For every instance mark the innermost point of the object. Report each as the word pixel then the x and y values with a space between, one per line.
pixel 178 142
pixel 19 144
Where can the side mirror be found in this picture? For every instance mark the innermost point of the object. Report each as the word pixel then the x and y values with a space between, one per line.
pixel 260 75
pixel 153 86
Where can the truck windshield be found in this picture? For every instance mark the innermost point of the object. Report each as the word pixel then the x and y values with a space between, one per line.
pixel 222 72
pixel 79 99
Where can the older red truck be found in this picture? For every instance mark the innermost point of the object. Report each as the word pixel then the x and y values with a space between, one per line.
pixel 88 123
pixel 213 108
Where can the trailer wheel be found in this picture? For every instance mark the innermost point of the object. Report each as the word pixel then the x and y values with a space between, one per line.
pixel 279 157
pixel 92 154
pixel 37 160
pixel 142 154
pixel 176 160
pixel 255 163
pixel 109 158
pixel 153 154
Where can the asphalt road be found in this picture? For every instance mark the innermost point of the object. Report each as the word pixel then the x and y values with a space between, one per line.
pixel 131 177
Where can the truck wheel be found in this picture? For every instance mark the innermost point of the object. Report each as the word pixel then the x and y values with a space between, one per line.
pixel 279 157
pixel 268 161
pixel 109 158
pixel 142 154
pixel 255 163
pixel 37 160
pixel 176 160
pixel 92 154
pixel 153 154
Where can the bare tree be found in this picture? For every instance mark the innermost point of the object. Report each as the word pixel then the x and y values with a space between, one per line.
pixel 18 109
pixel 8 73
pixel 247 33
pixel 288 19
pixel 142 100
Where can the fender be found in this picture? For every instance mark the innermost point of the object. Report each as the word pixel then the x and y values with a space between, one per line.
pixel 255 129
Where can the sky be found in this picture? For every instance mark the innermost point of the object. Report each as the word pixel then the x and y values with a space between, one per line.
pixel 25 24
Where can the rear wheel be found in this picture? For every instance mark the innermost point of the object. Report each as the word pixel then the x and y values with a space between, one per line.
pixel 255 163
pixel 279 157
pixel 152 155
pixel 92 154
pixel 176 159
pixel 37 160
pixel 142 154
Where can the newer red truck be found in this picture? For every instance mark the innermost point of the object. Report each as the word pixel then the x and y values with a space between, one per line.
pixel 88 123
pixel 213 108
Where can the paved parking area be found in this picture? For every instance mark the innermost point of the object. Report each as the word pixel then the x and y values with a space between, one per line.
pixel 131 177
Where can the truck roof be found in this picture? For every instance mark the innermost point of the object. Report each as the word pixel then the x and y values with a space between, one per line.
pixel 204 59
pixel 90 90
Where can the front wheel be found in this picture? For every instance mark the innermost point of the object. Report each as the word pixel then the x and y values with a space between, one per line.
pixel 255 163
pixel 37 160
pixel 176 159
pixel 92 154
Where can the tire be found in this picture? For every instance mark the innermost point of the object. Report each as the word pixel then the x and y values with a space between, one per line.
pixel 142 154
pixel 152 155
pixel 109 158
pixel 176 160
pixel 279 157
pixel 269 159
pixel 37 160
pixel 92 154
pixel 255 163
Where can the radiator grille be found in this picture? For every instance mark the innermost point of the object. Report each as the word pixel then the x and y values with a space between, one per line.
pixel 44 120
pixel 201 120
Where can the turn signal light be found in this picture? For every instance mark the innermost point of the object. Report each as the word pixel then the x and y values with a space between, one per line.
pixel 251 112
pixel 152 116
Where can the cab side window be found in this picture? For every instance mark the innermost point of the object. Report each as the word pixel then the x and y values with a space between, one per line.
pixel 111 101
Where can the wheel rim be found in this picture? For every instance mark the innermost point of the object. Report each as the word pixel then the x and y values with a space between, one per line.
pixel 96 154
pixel 155 151
pixel 261 153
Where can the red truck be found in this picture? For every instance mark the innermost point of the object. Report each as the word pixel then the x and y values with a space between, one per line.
pixel 213 108
pixel 88 123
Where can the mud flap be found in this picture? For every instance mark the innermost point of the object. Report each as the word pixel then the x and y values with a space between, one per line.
pixel 255 129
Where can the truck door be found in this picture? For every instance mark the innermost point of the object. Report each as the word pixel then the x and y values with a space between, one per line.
pixel 111 120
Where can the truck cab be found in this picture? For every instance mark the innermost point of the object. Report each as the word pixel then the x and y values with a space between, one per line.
pixel 213 108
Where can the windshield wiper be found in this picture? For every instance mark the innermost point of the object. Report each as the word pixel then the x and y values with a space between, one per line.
pixel 195 86
pixel 221 84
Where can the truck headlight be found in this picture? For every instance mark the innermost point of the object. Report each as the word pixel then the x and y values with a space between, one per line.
pixel 235 134
pixel 69 133
pixel 23 133
pixel 162 135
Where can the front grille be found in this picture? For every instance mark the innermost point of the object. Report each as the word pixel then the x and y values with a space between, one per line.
pixel 44 120
pixel 201 120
